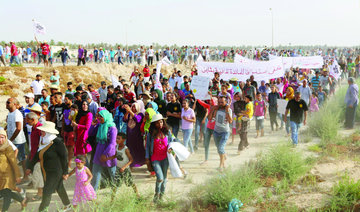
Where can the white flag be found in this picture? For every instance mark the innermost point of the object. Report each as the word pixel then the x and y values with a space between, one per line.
pixel 165 61
pixel 39 28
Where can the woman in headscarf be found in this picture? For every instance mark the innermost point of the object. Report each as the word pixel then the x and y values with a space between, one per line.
pixel 82 125
pixel 92 137
pixel 106 147
pixel 119 116
pixel 52 155
pixel 159 100
pixel 289 95
pixel 9 173
pixel 135 143
pixel 154 106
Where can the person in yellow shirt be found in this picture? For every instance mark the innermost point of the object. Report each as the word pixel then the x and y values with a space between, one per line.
pixel 247 114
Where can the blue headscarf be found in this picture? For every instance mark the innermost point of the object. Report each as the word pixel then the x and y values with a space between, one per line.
pixel 154 106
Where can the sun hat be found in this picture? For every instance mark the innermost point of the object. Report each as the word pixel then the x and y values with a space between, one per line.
pixel 48 127
pixel 234 79
pixel 29 95
pixel 36 108
pixel 147 93
pixel 157 117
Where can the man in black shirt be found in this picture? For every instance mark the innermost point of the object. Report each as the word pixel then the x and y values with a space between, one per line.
pixel 298 111
pixel 59 110
pixel 201 114
pixel 110 99
pixel 173 114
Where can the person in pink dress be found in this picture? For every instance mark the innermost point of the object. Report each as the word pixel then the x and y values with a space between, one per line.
pixel 82 125
pixel 83 189
pixel 314 103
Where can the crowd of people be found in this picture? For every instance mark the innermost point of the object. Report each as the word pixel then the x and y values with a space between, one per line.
pixel 44 53
pixel 109 131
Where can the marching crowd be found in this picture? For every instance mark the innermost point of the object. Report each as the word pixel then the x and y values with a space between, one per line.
pixel 108 131
pixel 44 53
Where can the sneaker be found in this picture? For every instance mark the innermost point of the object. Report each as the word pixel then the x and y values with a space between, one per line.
pixel 67 208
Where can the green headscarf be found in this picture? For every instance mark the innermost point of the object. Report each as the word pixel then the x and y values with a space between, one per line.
pixel 151 113
pixel 101 136
pixel 159 93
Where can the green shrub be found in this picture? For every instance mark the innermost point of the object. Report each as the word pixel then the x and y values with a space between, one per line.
pixel 2 79
pixel 345 194
pixel 282 161
pixel 220 190
pixel 124 200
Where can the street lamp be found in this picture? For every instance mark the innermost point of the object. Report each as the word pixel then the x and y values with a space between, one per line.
pixel 272 28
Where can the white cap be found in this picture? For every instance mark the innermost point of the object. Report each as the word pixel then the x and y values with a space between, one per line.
pixel 30 95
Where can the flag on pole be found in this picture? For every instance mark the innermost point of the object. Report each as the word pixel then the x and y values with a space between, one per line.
pixel 39 28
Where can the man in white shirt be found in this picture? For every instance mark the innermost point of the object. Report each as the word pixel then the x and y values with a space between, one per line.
pixel 36 87
pixel 150 56
pixel 14 129
pixel 305 92
pixel 178 80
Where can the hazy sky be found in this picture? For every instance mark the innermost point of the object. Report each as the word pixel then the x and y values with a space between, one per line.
pixel 201 22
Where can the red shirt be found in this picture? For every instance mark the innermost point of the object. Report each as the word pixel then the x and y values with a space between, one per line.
pixel 13 50
pixel 34 139
pixel 146 72
pixel 160 149
pixel 130 97
pixel 45 48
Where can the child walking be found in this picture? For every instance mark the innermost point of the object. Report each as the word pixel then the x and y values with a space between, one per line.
pixel 260 114
pixel 124 159
pixel 314 103
pixel 83 189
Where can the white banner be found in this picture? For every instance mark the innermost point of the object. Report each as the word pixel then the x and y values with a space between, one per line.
pixel 39 28
pixel 301 62
pixel 200 87
pixel 262 70
pixel 308 62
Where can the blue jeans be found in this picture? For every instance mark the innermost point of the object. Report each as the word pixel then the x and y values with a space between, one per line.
pixel 220 141
pixel 21 154
pixel 119 61
pixel 198 127
pixel 175 129
pixel 16 58
pixel 207 137
pixel 294 131
pixel 160 168
pixel 187 139
pixel 280 116
pixel 97 170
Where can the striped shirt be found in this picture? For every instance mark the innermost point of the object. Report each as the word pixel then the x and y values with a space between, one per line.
pixel 315 82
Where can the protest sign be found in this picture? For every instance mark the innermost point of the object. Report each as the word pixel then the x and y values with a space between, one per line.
pixel 281 106
pixel 262 70
pixel 200 87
